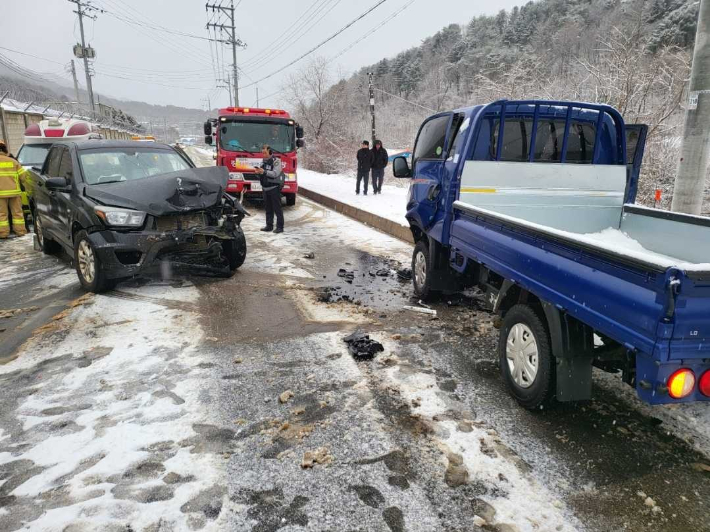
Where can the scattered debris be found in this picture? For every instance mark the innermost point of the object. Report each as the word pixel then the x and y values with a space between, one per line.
pixel 384 272
pixel 310 255
pixel 238 360
pixel 285 396
pixel 361 346
pixel 649 502
pixel 319 456
pixel 347 275
pixel 298 411
pixel 698 466
pixel 420 309
pixel 396 337
pixel 479 521
pixel 404 274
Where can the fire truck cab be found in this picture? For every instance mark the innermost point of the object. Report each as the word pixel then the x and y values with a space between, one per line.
pixel 239 134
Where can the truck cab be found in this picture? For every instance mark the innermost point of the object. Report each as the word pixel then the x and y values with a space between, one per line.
pixel 239 134
pixel 533 203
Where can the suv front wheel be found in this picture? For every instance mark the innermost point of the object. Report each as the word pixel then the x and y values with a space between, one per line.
pixel 88 265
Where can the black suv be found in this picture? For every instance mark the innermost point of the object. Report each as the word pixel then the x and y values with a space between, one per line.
pixel 118 207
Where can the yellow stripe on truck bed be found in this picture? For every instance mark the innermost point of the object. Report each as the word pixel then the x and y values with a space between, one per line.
pixel 476 190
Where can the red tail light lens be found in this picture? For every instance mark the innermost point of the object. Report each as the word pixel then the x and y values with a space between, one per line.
pixel 681 383
pixel 704 384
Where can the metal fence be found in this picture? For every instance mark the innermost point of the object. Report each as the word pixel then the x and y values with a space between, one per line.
pixel 15 116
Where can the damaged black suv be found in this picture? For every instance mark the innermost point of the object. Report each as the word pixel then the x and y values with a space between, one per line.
pixel 119 207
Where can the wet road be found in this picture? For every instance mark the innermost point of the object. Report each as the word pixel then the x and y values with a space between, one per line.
pixel 208 404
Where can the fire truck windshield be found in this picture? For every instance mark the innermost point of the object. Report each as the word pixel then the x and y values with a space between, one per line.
pixel 251 136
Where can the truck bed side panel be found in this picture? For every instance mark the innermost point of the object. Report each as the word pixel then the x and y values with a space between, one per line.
pixel 624 302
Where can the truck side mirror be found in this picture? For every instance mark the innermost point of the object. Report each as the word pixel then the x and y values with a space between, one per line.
pixel 208 129
pixel 300 143
pixel 400 167
pixel 299 132
pixel 208 139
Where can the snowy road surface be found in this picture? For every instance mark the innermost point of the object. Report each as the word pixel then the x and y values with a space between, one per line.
pixel 194 403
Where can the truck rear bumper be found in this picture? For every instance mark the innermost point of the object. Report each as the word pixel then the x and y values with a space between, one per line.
pixel 652 378
pixel 236 187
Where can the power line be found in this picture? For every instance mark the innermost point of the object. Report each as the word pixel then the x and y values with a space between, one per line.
pixel 405 100
pixel 322 43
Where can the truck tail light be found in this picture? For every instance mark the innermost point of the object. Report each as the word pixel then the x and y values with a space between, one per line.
pixel 704 384
pixel 33 131
pixel 681 383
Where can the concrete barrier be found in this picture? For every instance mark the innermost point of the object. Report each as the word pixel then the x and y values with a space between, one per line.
pixel 385 225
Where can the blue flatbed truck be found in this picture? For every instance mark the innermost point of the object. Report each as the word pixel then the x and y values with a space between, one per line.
pixel 533 202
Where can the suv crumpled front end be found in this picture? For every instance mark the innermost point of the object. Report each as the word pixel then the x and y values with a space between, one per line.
pixel 189 223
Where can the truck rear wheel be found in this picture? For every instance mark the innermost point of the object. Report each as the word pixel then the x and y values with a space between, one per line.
pixel 422 271
pixel 290 199
pixel 526 360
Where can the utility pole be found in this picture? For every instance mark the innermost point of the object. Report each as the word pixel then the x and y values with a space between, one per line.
pixel 231 31
pixel 228 87
pixel 165 130
pixel 372 107
pixel 76 83
pixel 689 188
pixel 81 10
pixel 257 96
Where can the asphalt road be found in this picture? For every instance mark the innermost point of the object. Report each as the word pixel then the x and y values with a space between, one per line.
pixel 192 403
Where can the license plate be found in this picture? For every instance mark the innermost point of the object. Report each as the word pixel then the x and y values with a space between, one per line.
pixel 256 187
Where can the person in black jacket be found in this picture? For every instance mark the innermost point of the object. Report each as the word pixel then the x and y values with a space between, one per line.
pixel 364 163
pixel 272 178
pixel 379 162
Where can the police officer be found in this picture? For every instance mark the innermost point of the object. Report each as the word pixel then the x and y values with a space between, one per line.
pixel 272 181
pixel 10 195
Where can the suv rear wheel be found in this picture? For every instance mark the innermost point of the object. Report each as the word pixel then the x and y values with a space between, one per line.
pixel 88 265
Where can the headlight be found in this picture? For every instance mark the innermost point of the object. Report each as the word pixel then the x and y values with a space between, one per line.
pixel 120 217
pixel 290 177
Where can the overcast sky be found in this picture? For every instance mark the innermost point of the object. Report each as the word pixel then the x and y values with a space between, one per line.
pixel 139 63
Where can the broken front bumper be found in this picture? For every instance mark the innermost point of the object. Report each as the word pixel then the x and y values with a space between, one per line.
pixel 126 254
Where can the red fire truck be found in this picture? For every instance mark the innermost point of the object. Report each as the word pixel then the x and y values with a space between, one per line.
pixel 239 134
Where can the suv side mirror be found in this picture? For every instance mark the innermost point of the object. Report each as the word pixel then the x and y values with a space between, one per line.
pixel 300 143
pixel 299 132
pixel 208 128
pixel 400 167
pixel 56 183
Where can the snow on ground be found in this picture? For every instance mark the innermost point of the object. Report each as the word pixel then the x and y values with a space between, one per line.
pixel 476 454
pixel 391 204
pixel 110 416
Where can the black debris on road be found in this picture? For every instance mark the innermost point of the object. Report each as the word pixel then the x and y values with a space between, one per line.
pixel 361 346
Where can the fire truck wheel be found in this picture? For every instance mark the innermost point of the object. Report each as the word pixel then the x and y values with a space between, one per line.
pixel 290 199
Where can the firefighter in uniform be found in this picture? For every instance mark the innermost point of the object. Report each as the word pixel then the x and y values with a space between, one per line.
pixel 10 195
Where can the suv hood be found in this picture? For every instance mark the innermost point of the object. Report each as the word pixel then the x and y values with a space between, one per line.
pixel 177 192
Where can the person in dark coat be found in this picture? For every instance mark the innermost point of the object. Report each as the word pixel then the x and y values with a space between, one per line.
pixel 364 164
pixel 379 163
pixel 271 177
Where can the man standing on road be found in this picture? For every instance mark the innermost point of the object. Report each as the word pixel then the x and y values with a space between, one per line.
pixel 10 195
pixel 272 181
pixel 379 162
pixel 364 164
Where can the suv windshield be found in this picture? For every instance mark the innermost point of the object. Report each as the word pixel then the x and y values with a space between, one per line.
pixel 130 164
pixel 33 154
pixel 251 136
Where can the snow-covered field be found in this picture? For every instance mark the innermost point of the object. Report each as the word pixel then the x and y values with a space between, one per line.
pixel 391 204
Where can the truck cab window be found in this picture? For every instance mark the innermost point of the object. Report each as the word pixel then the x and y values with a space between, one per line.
pixel 550 136
pixel 430 144
pixel 516 139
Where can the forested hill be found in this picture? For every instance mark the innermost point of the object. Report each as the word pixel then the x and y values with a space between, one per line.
pixel 632 54
pixel 557 33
